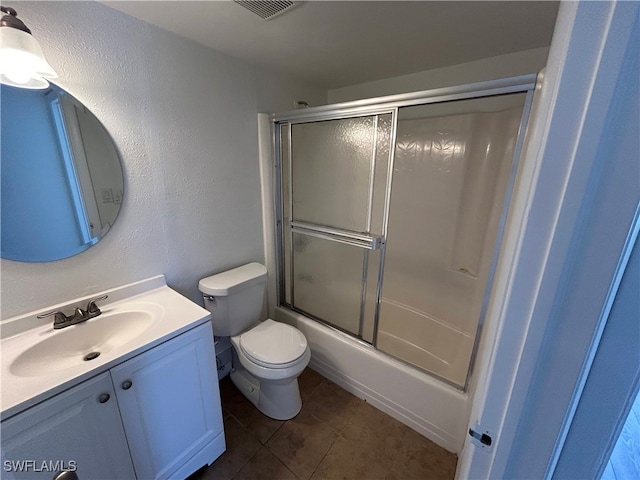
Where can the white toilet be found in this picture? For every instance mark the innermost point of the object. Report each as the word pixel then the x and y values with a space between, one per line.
pixel 268 356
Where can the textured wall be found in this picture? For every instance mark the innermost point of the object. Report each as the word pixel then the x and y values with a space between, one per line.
pixel 184 120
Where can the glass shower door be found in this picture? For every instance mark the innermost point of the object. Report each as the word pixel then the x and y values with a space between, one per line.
pixel 334 179
pixel 391 213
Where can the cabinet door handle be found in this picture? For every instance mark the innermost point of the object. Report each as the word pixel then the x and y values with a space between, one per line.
pixel 126 385
pixel 104 398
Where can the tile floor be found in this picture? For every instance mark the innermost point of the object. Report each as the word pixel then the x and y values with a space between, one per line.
pixel 335 436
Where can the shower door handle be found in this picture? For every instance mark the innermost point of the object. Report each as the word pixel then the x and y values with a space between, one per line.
pixel 343 236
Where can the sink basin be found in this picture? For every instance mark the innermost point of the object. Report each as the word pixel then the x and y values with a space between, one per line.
pixel 84 342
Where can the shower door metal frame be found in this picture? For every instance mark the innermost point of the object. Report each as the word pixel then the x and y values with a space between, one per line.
pixel 385 105
pixel 365 241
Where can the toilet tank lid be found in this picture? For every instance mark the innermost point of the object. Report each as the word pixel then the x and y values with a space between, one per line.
pixel 231 281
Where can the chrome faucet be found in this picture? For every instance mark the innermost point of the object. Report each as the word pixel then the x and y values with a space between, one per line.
pixel 60 320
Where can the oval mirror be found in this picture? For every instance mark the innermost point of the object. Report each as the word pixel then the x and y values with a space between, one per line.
pixel 62 181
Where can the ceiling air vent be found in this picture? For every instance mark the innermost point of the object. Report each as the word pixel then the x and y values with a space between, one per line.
pixel 267 9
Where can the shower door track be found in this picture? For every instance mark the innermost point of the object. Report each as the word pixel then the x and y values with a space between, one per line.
pixel 386 104
pixel 390 105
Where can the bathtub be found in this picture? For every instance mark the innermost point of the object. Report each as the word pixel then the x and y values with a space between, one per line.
pixel 432 408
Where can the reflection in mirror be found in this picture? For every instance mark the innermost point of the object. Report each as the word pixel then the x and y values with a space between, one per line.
pixel 62 181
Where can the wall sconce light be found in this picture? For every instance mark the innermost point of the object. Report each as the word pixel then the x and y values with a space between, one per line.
pixel 22 63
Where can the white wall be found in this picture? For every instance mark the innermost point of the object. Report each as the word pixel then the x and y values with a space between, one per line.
pixel 184 120
pixel 279 93
pixel 509 65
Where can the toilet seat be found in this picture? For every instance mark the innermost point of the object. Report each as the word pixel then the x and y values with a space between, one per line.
pixel 273 344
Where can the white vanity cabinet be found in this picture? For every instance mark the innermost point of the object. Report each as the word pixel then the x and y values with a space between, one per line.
pixel 77 429
pixel 154 416
pixel 170 406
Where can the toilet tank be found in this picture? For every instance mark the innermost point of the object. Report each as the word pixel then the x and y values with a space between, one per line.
pixel 235 298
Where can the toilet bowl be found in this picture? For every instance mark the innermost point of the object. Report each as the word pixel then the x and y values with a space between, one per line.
pixel 268 356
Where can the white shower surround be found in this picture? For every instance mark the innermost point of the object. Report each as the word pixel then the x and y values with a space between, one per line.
pixel 450 177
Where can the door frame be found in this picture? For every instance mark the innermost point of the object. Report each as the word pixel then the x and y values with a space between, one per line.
pixel 562 160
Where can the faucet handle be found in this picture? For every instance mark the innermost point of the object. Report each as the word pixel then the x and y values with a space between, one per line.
pixel 92 308
pixel 58 319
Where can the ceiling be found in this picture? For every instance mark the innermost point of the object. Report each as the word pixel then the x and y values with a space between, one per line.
pixel 339 43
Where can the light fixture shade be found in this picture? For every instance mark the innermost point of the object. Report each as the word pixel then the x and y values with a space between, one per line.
pixel 22 63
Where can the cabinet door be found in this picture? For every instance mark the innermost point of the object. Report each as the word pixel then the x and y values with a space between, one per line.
pixel 170 405
pixel 78 429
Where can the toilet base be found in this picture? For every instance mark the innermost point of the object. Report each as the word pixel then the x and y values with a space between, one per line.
pixel 278 399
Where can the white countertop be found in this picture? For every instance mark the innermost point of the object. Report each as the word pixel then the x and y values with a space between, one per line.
pixel 173 313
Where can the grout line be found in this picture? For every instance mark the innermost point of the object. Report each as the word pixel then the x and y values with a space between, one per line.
pixel 274 432
pixel 282 462
pixel 287 466
pixel 325 455
pixel 246 463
